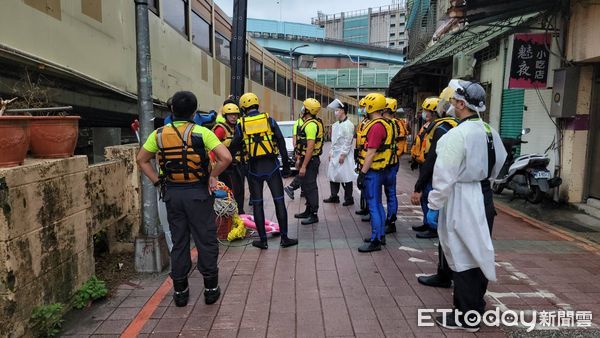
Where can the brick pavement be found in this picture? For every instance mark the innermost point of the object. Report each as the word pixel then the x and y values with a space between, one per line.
pixel 324 287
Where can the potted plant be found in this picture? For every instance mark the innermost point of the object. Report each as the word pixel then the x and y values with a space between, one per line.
pixel 14 137
pixel 52 133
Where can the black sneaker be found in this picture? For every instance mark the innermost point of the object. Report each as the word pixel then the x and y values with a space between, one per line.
pixel 289 191
pixel 362 212
pixel 368 240
pixel 435 281
pixel 287 242
pixel 260 244
pixel 305 214
pixel 211 295
pixel 390 228
pixel 366 218
pixel 372 246
pixel 332 199
pixel 451 324
pixel 348 203
pixel 313 218
pixel 428 234
pixel 420 228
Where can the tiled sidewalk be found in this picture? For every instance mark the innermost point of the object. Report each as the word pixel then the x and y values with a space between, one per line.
pixel 324 287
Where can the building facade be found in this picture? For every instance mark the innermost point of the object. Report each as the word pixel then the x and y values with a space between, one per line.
pixel 539 62
pixel 377 26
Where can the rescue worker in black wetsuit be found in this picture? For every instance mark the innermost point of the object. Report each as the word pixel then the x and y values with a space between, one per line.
pixel 261 140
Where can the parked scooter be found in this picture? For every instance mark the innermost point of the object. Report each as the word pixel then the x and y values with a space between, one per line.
pixel 527 175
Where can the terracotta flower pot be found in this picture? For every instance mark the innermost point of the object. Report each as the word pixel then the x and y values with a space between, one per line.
pixel 14 140
pixel 53 136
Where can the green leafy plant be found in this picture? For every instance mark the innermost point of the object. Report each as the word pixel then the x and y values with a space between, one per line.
pixel 92 289
pixel 46 320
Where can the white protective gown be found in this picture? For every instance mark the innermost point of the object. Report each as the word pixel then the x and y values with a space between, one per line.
pixel 462 162
pixel 342 135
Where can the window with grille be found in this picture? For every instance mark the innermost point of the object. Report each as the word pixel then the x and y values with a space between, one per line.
pixel 488 53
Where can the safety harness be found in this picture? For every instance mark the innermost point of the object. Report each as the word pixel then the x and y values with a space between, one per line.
pixel 181 157
pixel 258 136
pixel 302 141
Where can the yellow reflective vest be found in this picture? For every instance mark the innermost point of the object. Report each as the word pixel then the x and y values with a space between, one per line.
pixel 302 141
pixel 384 152
pixel 258 136
pixel 423 142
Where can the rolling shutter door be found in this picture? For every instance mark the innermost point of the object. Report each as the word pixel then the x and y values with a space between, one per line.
pixel 511 118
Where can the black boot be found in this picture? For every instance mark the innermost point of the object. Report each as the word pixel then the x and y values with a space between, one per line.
pixel 420 228
pixel 374 245
pixel 332 199
pixel 348 203
pixel 313 218
pixel 366 218
pixel 212 291
pixel 428 234
pixel 368 240
pixel 287 242
pixel 362 212
pixel 182 292
pixel 435 280
pixel 390 226
pixel 305 214
pixel 261 244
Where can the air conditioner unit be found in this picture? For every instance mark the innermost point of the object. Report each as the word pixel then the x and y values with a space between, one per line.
pixel 463 65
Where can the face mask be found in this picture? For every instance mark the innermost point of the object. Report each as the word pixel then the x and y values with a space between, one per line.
pixel 424 116
pixel 363 110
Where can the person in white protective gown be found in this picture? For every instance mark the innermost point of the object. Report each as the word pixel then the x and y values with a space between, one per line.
pixel 467 156
pixel 340 169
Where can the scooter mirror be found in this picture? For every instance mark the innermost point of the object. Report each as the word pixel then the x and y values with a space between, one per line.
pixel 525 131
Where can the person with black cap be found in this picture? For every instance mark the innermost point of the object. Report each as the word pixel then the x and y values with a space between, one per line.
pixel 186 180
pixel 468 156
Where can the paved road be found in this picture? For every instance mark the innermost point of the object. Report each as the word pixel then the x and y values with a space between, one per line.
pixel 324 287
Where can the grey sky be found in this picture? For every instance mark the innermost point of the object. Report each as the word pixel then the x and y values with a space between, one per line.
pixel 299 10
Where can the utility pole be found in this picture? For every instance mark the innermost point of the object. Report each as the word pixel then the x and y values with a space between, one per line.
pixel 238 47
pixel 151 253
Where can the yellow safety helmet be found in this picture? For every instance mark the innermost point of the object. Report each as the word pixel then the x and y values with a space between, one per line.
pixel 231 108
pixel 430 103
pixel 374 102
pixel 248 100
pixel 361 103
pixel 391 104
pixel 311 106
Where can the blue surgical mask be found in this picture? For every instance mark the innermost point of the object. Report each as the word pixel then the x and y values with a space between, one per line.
pixel 424 116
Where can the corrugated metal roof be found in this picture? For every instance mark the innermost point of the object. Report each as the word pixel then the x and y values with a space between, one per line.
pixel 468 39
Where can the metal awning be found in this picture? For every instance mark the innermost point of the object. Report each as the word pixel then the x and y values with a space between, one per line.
pixel 468 40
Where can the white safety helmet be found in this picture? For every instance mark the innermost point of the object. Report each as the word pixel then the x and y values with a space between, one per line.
pixel 471 93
